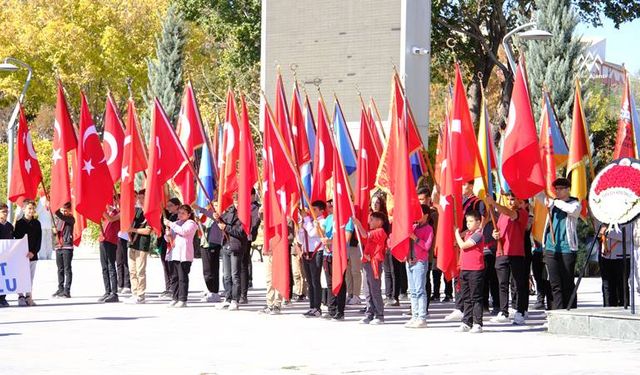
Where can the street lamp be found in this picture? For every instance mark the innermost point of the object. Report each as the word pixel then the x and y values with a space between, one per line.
pixel 533 34
pixel 11 65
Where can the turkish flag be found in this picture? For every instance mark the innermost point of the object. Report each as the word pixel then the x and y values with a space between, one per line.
pixel 342 212
pixel 368 160
pixel 375 134
pixel 112 139
pixel 228 155
pixel 521 165
pixel 406 208
pixel 625 138
pixel 134 160
pixel 414 141
pixel 166 158
pixel 191 134
pixel 281 116
pixel 464 146
pixel 279 176
pixel 26 173
pixel 298 130
pixel 247 168
pixel 81 221
pixel 64 140
pixel 449 198
pixel 323 157
pixel 94 187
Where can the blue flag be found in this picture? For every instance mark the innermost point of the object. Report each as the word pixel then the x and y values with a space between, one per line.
pixel 416 166
pixel 310 127
pixel 635 122
pixel 343 141
pixel 207 176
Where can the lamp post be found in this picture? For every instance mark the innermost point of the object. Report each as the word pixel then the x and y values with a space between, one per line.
pixel 533 34
pixel 11 65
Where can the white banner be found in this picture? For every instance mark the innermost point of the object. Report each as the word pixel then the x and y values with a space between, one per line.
pixel 15 272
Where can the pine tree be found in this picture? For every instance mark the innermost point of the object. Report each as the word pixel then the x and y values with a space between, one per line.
pixel 165 72
pixel 553 64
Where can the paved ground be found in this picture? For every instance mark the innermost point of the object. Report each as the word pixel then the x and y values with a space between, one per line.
pixel 80 336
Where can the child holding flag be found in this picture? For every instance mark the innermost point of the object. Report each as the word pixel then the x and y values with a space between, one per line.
pixel 372 259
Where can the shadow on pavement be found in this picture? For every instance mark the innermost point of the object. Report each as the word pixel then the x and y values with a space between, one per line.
pixel 76 320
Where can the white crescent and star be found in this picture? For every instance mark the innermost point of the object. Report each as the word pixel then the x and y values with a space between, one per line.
pixel 185 129
pixel 56 126
pixel 231 138
pixel 88 166
pixel 511 121
pixel 113 146
pixel 27 165
pixel 321 156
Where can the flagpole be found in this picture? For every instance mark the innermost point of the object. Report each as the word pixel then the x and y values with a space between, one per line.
pixel 547 195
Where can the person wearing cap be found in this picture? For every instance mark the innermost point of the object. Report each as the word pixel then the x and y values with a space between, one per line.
pixel 560 249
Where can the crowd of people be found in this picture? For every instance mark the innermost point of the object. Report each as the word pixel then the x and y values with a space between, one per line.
pixel 500 264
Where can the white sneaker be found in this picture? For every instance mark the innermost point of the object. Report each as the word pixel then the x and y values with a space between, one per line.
pixel 463 328
pixel 355 300
pixel 180 304
pixel 133 300
pixel 420 323
pixel 211 298
pixel 376 322
pixel 518 319
pixel 500 318
pixel 455 315
pixel 126 291
pixel 223 305
pixel 477 328
pixel 233 306
pixel 512 311
pixel 410 324
pixel 172 304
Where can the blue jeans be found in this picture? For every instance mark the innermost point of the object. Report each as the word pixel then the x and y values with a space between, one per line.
pixel 417 275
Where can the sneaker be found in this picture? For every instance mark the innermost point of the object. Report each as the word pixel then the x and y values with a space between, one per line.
pixel 338 318
pixel 243 301
pixel 66 295
pixel 313 313
pixel 377 321
pixel 111 298
pixel 223 305
pixel 213 298
pixel 233 306
pixel 166 296
pixel 500 318
pixel 275 310
pixel 180 304
pixel 365 320
pixel 265 310
pixel 327 316
pixel 392 303
pixel 120 290
pixel 463 328
pixel 420 323
pixel 57 294
pixel 30 301
pixel 104 296
pixel 446 299
pixel 539 306
pixel 454 315
pixel 518 319
pixel 172 304
pixel 512 311
pixel 126 291
pixel 403 297
pixel 355 300
pixel 477 328
pixel 410 324
pixel 22 301
pixel 495 312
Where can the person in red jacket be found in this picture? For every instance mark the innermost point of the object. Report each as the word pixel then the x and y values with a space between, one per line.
pixel 471 272
pixel 372 259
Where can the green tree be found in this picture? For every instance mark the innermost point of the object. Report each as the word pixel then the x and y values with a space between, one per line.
pixel 553 64
pixel 166 71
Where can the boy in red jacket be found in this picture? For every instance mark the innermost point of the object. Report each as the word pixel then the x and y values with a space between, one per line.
pixel 472 272
pixel 372 258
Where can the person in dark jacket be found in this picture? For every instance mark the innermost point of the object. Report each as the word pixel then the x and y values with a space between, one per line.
pixel 246 274
pixel 6 233
pixel 64 222
pixel 29 226
pixel 108 251
pixel 235 240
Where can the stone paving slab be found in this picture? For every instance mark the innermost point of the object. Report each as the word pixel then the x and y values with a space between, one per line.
pixel 80 336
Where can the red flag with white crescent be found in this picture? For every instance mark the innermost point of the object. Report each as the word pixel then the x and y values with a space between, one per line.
pixel 113 139
pixel 26 173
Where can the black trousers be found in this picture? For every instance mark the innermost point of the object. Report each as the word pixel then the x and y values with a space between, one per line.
pixel 490 282
pixel 512 282
pixel 180 280
pixel 505 266
pixel 400 275
pixel 336 303
pixel 312 272
pixel 211 267
pixel 459 300
pixel 65 274
pixel 472 284
pixel 437 278
pixel 245 271
pixel 231 265
pixel 612 273
pixel 543 288
pixel 166 268
pixel 122 263
pixel 108 262
pixel 561 268
pixel 389 276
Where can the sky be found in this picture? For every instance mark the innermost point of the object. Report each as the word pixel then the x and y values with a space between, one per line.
pixel 622 44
